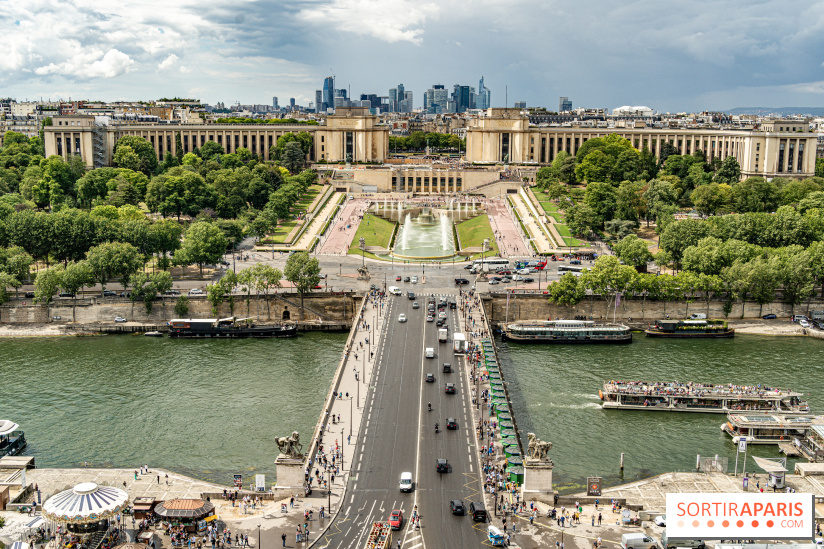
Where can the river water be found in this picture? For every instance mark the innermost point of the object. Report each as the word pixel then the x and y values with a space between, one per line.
pixel 206 408
pixel 555 393
pixel 211 409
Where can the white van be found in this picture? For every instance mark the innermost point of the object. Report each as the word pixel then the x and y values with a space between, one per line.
pixel 698 316
pixel 637 541
pixel 430 352
pixel 443 335
pixel 524 271
pixel 690 543
pixel 394 290
pixel 406 482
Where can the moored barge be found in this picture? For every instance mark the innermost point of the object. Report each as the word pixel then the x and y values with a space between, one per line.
pixel 196 328
pixel 12 440
pixel 700 397
pixel 766 428
pixel 566 331
pixel 690 328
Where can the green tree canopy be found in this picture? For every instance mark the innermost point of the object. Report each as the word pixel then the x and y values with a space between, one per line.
pixel 203 243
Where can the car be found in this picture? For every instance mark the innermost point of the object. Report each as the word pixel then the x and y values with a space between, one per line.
pixel 411 296
pixel 396 519
pixel 398 278
pixel 451 423
pixel 453 305
pixel 442 314
pixel 467 267
pixel 317 287
pixel 322 276
pixel 493 282
pixel 414 280
pixel 109 293
pixel 29 294
pixel 429 378
pixel 172 292
pixel 450 389
pixel 461 281
pixel 65 294
pixel 429 352
pixel 415 305
pixel 498 278
pixel 195 291
pixel 406 279
pixel 402 318
pixel 119 319
pixel 528 279
pixel 804 324
pixel 660 520
pixel 457 507
pixel 769 317
pixel 517 278
pixel 442 465
pixel 447 368
pixel 505 272
pixel 506 280
pixel 575 262
pixel 430 318
pixel 440 322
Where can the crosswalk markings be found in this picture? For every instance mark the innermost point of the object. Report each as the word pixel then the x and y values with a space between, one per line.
pixel 415 546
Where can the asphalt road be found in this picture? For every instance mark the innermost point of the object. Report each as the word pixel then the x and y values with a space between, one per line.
pixel 399 436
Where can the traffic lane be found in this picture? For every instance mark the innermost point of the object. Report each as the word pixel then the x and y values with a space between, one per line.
pixel 461 482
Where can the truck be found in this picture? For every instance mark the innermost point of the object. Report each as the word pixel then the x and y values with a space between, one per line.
pixel 459 344
pixel 443 335
pixel 380 536
pixel 637 541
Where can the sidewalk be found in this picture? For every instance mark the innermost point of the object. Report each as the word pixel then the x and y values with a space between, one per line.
pixel 539 237
pixel 507 234
pixel 341 233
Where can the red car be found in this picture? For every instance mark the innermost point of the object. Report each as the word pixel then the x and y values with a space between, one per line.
pixel 398 278
pixel 396 519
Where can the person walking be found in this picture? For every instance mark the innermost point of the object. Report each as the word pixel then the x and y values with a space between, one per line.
pixel 283 538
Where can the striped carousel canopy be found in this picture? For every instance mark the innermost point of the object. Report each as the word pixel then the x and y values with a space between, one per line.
pixel 85 503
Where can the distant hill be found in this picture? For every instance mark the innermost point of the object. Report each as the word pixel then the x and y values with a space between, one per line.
pixel 782 111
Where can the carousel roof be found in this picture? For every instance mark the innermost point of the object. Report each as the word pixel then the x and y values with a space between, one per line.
pixel 86 502
pixel 132 546
pixel 184 508
pixel 7 427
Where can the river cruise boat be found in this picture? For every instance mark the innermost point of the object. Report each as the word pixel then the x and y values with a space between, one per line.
pixel 700 397
pixel 12 441
pixel 690 328
pixel 812 445
pixel 766 428
pixel 226 327
pixel 566 331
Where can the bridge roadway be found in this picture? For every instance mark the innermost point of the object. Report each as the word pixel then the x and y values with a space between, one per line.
pixel 399 436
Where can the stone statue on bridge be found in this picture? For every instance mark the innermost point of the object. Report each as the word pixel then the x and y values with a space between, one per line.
pixel 290 446
pixel 363 273
pixel 537 448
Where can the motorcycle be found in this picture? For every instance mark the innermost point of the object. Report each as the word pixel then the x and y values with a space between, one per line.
pixel 436 429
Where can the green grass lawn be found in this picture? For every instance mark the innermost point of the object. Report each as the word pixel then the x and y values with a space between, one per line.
pixel 569 240
pixel 375 230
pixel 307 198
pixel 472 233
pixel 281 232
pixel 549 207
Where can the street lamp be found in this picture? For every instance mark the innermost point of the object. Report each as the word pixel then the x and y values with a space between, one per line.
pixel 259 545
pixel 362 242
pixel 351 416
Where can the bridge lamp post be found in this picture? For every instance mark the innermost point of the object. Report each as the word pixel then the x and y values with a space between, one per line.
pixel 362 242
pixel 351 415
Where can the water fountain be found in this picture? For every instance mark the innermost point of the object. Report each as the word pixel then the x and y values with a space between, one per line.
pixel 445 231
pixel 405 236
pixel 428 235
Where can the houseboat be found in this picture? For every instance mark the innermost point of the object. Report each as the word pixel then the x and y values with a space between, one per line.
pixel 690 328
pixel 226 327
pixel 700 397
pixel 765 428
pixel 12 441
pixel 566 331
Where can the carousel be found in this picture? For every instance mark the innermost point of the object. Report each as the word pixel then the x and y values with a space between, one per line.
pixel 183 516
pixel 88 516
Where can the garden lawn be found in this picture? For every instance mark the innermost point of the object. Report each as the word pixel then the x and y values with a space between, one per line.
pixel 375 230
pixel 307 198
pixel 281 232
pixel 472 233
pixel 569 240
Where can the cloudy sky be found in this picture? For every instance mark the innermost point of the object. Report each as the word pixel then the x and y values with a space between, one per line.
pixel 671 56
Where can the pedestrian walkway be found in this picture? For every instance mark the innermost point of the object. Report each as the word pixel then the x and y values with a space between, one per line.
pixel 537 233
pixel 511 241
pixel 316 224
pixel 340 235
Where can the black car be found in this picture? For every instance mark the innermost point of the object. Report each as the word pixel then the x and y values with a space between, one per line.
pixel 769 317
pixel 467 267
pixel 440 322
pixel 430 378
pixel 457 507
pixel 528 279
pixel 65 294
pixel 447 368
pixel 453 305
pixel 442 466
pixel 461 281
pixel 109 293
pixel 406 279
pixel 29 294
pixel 451 424
pixel 450 388
pixel 410 295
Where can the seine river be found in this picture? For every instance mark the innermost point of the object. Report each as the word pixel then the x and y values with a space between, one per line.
pixel 556 396
pixel 211 409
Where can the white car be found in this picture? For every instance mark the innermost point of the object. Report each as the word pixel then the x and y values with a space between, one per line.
pixel 402 318
pixel 660 520
pixel 414 280
pixel 442 314
pixel 517 278
pixel 119 319
pixel 195 291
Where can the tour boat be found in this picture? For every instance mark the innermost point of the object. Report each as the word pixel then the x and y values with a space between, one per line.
pixel 226 327
pixel 690 328
pixel 566 331
pixel 12 441
pixel 700 397
pixel 765 428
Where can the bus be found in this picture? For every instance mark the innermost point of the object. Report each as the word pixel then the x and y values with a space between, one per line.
pixel 577 270
pixel 537 265
pixel 492 262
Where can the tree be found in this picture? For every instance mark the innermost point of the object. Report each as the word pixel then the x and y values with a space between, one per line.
pixel 581 219
pixel 182 306
pixel 46 284
pixel 33 231
pixel 7 281
pixel 203 243
pixel 113 259
pixel 164 238
pixel 630 202
pixel 680 235
pixel 266 277
pixel 710 285
pixel 125 157
pixel 660 197
pixel 730 171
pixel 304 272
pixel 293 157
pixel 619 228
pixel 16 262
pixel 596 166
pixel 76 276
pixel 210 150
pixel 632 251
pixel 762 281
pixel 819 167
pixel 794 275
pixel 143 149
pixel 608 277
pixel 755 194
pixel 712 198
pixel 568 290
pixel 601 197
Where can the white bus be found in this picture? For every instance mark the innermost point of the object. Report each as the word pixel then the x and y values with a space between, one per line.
pixel 492 262
pixel 576 270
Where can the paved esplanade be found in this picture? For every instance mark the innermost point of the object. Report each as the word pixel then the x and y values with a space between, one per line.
pixel 397 434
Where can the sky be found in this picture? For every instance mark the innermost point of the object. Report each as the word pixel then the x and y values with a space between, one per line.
pixel 670 56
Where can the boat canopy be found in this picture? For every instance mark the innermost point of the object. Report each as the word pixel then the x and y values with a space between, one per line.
pixel 195 320
pixel 7 427
pixel 769 465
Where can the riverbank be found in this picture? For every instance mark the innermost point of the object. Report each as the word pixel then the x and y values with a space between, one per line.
pixel 37 330
pixel 768 327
